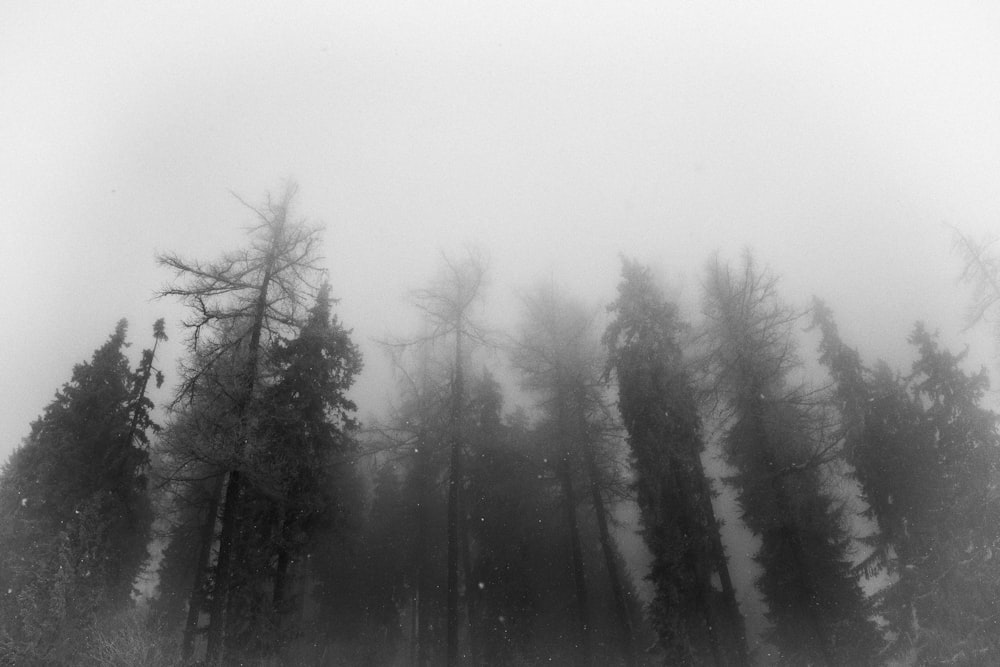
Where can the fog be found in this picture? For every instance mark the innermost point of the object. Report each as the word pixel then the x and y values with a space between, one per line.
pixel 839 143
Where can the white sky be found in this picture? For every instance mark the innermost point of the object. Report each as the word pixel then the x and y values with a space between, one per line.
pixel 835 138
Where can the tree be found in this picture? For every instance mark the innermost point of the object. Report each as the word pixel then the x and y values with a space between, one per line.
pixel 781 447
pixel 303 485
pixel 240 303
pixel 507 500
pixel 417 440
pixel 547 355
pixel 448 305
pixel 981 269
pixel 75 513
pixel 925 454
pixel 656 398
pixel 559 358
pixel 192 454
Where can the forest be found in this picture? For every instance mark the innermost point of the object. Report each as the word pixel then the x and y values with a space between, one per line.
pixel 479 520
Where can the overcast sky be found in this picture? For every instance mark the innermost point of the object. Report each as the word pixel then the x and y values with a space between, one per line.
pixel 834 138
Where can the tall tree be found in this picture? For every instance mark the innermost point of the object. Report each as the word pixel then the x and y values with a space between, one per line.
pixel 239 303
pixel 448 306
pixel 559 356
pixel 656 398
pixel 75 513
pixel 925 452
pixel 416 438
pixel 192 456
pixel 507 496
pixel 304 474
pixel 780 445
pixel 548 354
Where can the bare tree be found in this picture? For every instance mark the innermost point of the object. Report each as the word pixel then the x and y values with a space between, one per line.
pixel 448 305
pixel 238 303
pixel 559 355
pixel 981 270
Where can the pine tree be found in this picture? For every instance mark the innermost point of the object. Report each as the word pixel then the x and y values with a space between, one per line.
pixel 925 453
pixel 656 398
pixel 302 484
pixel 779 445
pixel 75 513
pixel 955 607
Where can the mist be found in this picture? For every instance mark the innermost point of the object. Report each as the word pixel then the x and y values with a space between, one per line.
pixel 541 375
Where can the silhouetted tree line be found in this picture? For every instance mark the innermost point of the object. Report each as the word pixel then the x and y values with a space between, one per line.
pixel 465 530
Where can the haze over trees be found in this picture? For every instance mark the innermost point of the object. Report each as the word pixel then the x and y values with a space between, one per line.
pixel 480 519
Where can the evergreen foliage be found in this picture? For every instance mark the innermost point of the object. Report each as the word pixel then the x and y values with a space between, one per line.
pixel 779 444
pixel 75 513
pixel 656 398
pixel 461 531
pixel 927 458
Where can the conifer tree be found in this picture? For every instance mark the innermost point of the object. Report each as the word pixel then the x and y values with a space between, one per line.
pixel 302 477
pixel 925 453
pixel 657 402
pixel 75 513
pixel 779 445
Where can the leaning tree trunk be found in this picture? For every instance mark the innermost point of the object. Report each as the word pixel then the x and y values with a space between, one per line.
pixel 576 553
pixel 737 626
pixel 799 558
pixel 614 576
pixel 234 488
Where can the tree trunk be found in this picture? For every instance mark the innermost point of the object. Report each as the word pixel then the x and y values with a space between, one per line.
pixel 576 556
pixel 471 588
pixel 421 577
pixel 698 561
pixel 197 600
pixel 222 569
pixel 230 510
pixel 783 502
pixel 621 605
pixel 737 624
pixel 455 479
pixel 281 570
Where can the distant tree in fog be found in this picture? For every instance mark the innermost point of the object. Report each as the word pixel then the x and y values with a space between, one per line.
pixel 559 356
pixel 779 444
pixel 448 307
pixel 75 513
pixel 981 270
pixel 658 405
pixel 414 443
